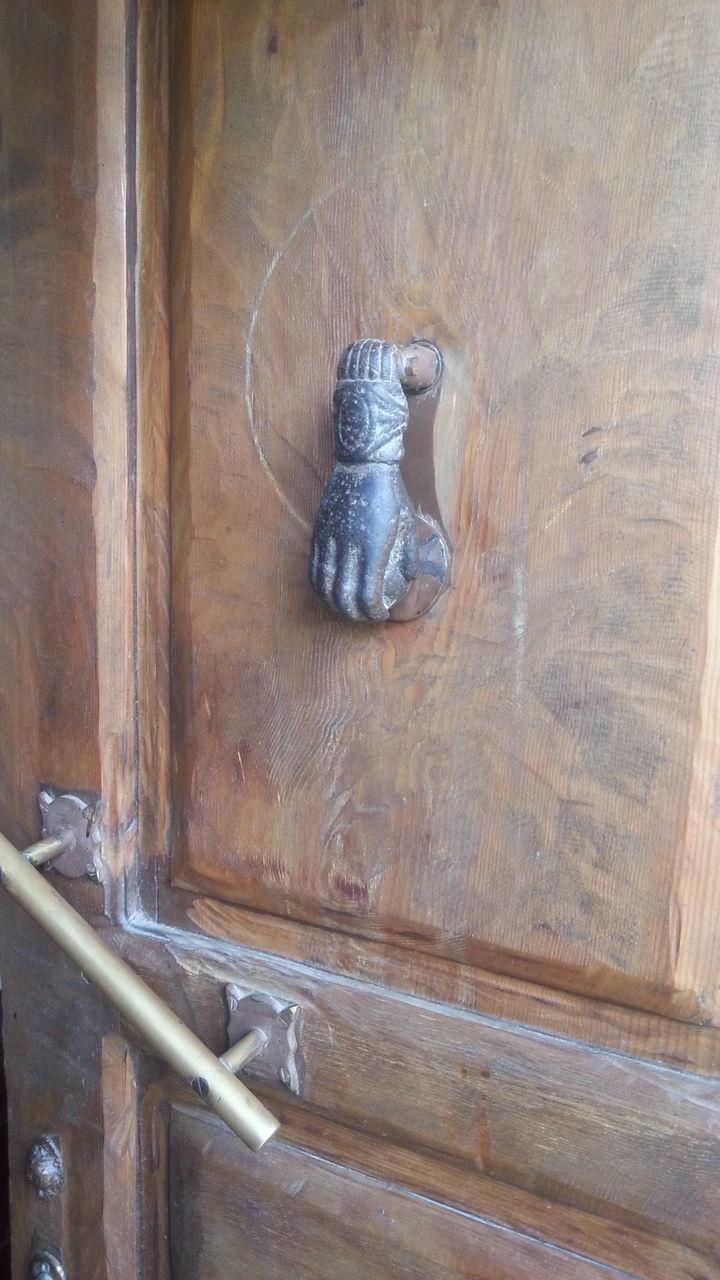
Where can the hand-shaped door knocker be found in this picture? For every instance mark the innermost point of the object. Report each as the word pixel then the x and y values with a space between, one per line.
pixel 374 555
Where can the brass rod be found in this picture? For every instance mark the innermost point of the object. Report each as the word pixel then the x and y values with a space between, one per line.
pixel 249 1047
pixel 169 1038
pixel 49 848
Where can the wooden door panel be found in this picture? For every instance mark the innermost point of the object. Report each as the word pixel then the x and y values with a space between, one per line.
pixel 520 780
pixel 298 1215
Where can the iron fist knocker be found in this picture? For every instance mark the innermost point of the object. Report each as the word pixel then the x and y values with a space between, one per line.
pixel 374 556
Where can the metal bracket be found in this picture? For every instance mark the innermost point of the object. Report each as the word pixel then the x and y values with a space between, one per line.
pixel 78 812
pixel 280 1058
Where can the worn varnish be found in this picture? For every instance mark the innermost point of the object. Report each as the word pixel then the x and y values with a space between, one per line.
pixel 630 1031
pixel 52 1029
pixel 579 1234
pixel 300 1215
pixel 480 851
pixel 151 368
pixel 122 1227
pixel 522 780
pixel 517 1110
pixel 115 1094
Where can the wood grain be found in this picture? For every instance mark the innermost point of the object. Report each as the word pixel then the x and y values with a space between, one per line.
pixel 300 1215
pixel 101 1093
pixel 151 362
pixel 122 1225
pixel 628 1141
pixel 48 693
pixel 53 1022
pixel 113 418
pixel 4 1171
pixel 522 780
pixel 644 1256
pixel 606 1026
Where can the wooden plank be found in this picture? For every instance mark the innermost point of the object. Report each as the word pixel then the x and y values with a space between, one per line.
pixel 113 417
pixel 121 1207
pixel 569 1229
pixel 577 1126
pixel 154 1180
pixel 53 1021
pixel 291 1214
pixel 48 698
pixel 642 1035
pixel 151 357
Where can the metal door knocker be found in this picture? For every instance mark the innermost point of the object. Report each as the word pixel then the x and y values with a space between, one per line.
pixel 376 554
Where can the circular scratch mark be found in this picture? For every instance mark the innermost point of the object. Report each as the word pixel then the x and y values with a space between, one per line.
pixel 400 161
pixel 272 266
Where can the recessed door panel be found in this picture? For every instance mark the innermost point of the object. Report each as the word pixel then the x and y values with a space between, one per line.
pixel 521 779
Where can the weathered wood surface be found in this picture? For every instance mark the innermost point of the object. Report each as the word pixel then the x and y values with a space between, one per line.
pixel 97 1101
pixel 122 1225
pixel 114 409
pixel 296 1214
pixel 152 372
pixel 523 780
pixel 66 483
pixel 595 1022
pixel 4 1171
pixel 53 1023
pixel 48 690
pixel 629 1141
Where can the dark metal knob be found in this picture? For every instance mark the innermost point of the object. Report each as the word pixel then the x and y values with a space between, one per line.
pixel 44 1265
pixel 367 547
pixel 44 1167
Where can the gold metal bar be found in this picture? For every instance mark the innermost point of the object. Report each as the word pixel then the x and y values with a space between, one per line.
pixel 249 1047
pixel 169 1038
pixel 49 848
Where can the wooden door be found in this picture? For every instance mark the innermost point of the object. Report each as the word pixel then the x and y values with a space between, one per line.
pixel 478 853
